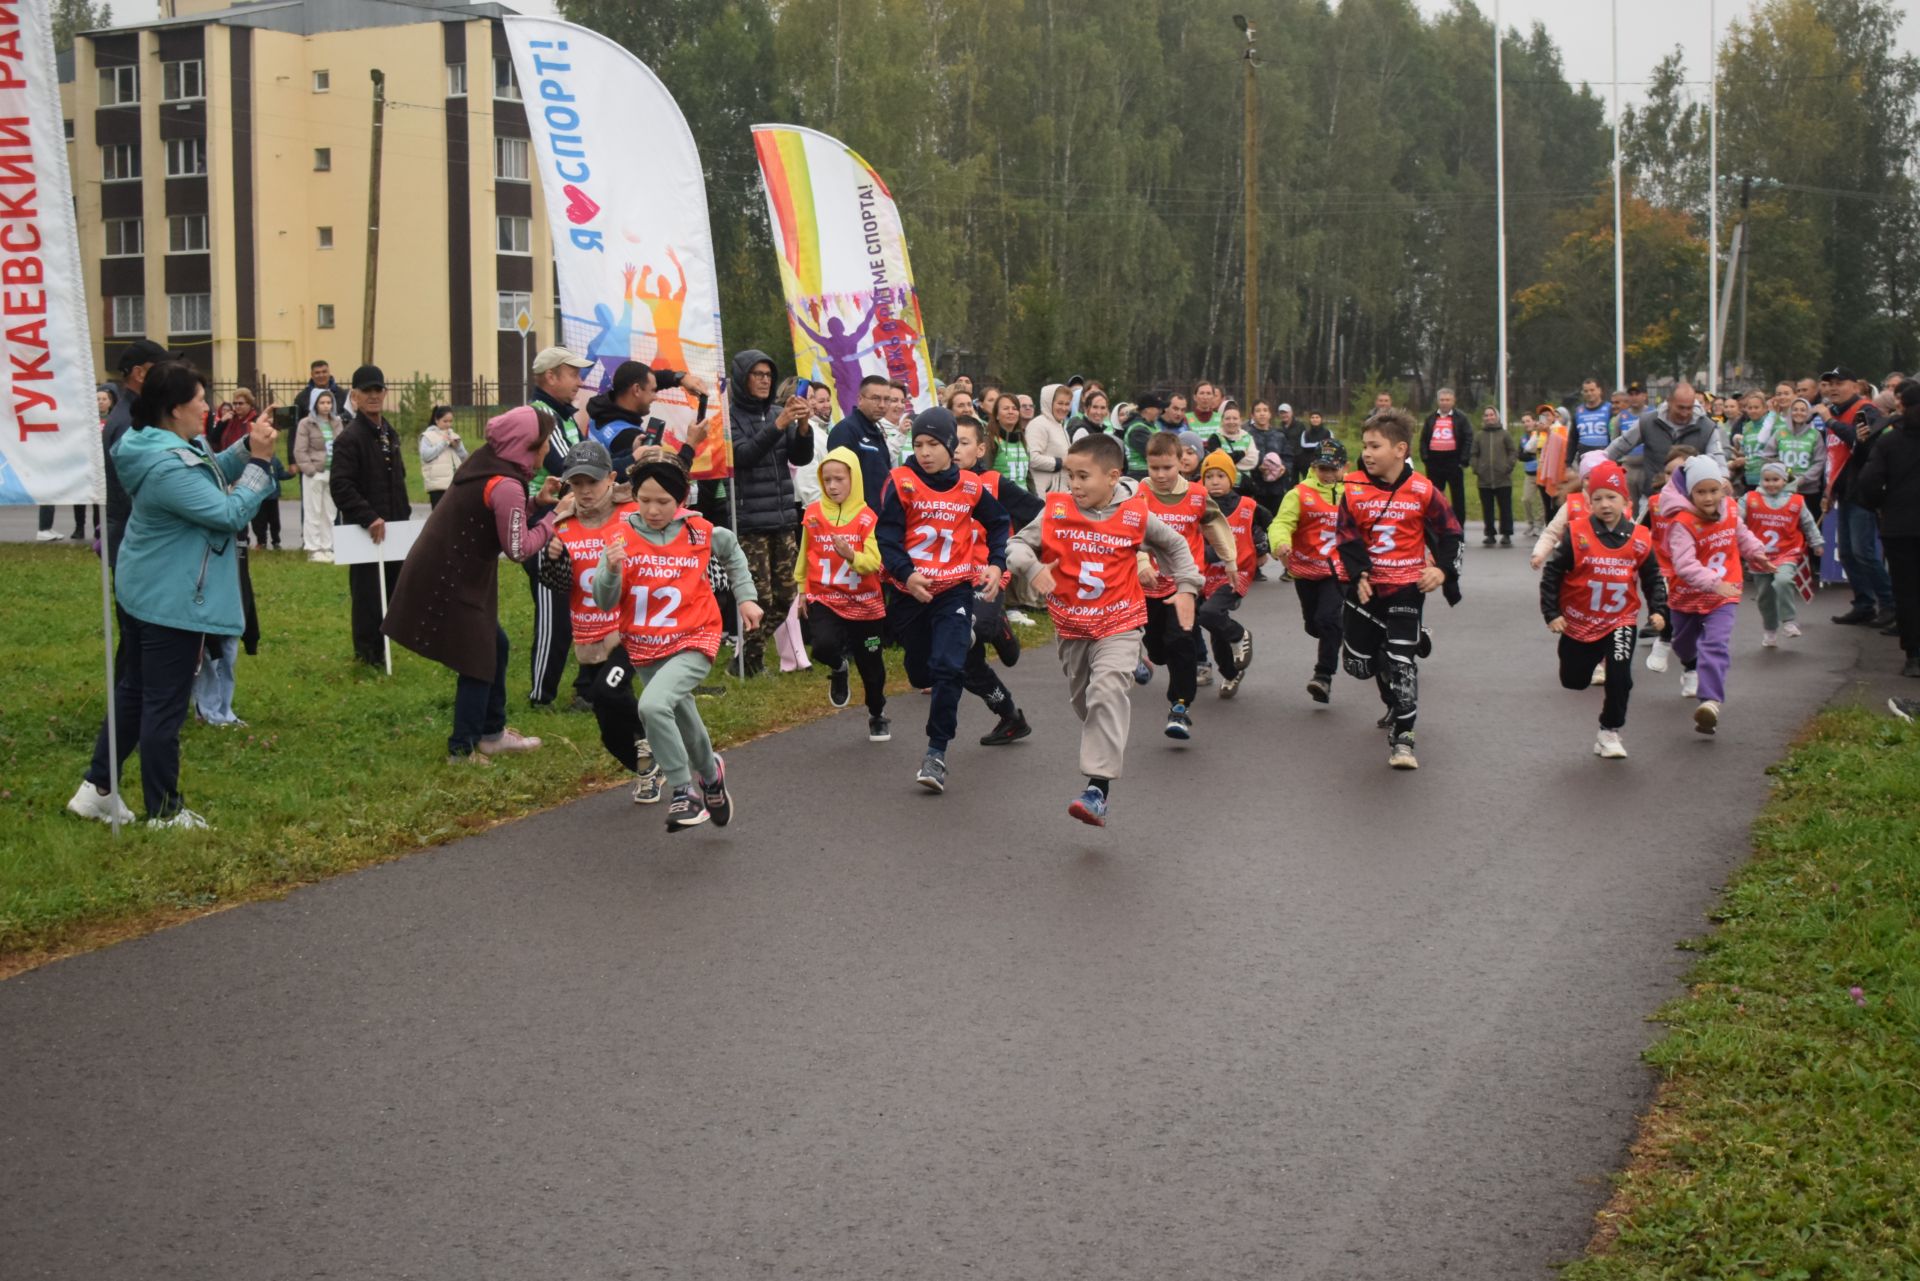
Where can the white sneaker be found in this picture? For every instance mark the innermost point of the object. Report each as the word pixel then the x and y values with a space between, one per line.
pixel 647 786
pixel 1689 684
pixel 509 740
pixel 1609 747
pixel 1600 674
pixel 320 558
pixel 1769 640
pixel 1657 656
pixel 105 807
pixel 1706 717
pixel 185 820
pixel 47 536
pixel 1793 631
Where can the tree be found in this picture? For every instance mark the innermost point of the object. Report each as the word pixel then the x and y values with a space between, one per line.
pixel 70 17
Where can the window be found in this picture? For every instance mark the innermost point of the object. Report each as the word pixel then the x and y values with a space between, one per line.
pixel 119 86
pixel 186 157
pixel 325 237
pixel 189 313
pixel 322 159
pixel 510 159
pixel 123 237
pixel 504 85
pixel 322 81
pixel 515 234
pixel 456 80
pixel 129 315
pixel 323 315
pixel 120 162
pixel 69 128
pixel 511 305
pixel 187 234
pixel 182 81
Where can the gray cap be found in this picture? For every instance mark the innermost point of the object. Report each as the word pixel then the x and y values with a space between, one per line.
pixel 589 458
pixel 551 358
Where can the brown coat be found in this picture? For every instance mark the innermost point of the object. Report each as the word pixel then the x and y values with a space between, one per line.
pixel 446 604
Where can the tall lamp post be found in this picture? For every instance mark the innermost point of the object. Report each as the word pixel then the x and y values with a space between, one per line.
pixel 1249 164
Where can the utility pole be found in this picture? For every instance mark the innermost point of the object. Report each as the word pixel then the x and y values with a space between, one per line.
pixel 1250 164
pixel 373 214
pixel 1746 271
pixel 1619 231
pixel 1500 197
pixel 1715 311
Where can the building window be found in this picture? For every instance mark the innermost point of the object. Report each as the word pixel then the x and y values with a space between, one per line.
pixel 119 86
pixel 129 318
pixel 186 157
pixel 516 234
pixel 322 81
pixel 322 159
pixel 120 162
pixel 504 85
pixel 323 315
pixel 510 160
pixel 69 128
pixel 124 239
pixel 183 81
pixel 189 313
pixel 511 305
pixel 456 80
pixel 325 237
pixel 187 233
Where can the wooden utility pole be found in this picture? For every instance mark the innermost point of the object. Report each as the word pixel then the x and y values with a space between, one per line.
pixel 373 214
pixel 1250 164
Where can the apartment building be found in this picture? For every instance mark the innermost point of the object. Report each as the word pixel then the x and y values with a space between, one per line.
pixel 220 160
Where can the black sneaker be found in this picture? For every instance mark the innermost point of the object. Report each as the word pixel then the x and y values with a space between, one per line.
pixel 714 795
pixel 1488 541
pixel 1913 666
pixel 685 809
pixel 1425 648
pixel 1858 614
pixel 1243 652
pixel 1506 540
pixel 580 704
pixel 933 773
pixel 1012 728
pixel 1006 644
pixel 1320 689
pixel 839 687
pixel 879 729
pixel 1385 722
pixel 1886 619
pixel 1179 722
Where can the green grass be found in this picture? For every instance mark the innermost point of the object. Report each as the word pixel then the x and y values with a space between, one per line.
pixel 1784 1144
pixel 339 766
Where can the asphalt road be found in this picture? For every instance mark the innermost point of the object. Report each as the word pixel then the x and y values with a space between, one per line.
pixel 1291 1016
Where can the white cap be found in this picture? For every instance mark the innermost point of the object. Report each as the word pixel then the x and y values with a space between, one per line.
pixel 551 358
pixel 1286 409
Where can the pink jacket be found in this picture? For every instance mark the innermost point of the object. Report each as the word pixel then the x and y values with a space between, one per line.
pixel 1680 549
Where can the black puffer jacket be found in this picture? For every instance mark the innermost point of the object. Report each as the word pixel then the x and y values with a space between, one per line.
pixel 762 452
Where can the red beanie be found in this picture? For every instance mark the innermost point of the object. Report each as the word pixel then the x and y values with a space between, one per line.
pixel 1608 475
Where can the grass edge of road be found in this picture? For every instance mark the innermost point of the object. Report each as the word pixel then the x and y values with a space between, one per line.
pixel 1775 1145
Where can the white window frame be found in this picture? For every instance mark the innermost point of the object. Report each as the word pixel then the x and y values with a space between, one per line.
pixel 173 80
pixel 509 302
pixel 513 234
pixel 111 226
pixel 180 319
pixel 505 145
pixel 456 80
pixel 126 86
pixel 183 150
pixel 323 80
pixel 323 237
pixel 184 222
pixel 130 320
pixel 119 173
pixel 505 88
pixel 323 315
pixel 323 159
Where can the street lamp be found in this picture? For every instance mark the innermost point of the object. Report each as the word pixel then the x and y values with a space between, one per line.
pixel 1251 212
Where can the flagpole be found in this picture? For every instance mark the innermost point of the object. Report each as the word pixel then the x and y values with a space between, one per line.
pixel 1619 252
pixel 1500 198
pixel 1713 204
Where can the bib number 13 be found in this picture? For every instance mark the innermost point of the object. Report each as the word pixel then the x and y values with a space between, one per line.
pixel 1607 598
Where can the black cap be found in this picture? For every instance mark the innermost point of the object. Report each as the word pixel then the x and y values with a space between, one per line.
pixel 368 377
pixel 1332 454
pixel 142 351
pixel 589 458
pixel 1839 374
pixel 1151 400
pixel 937 423
pixel 629 374
pixel 1635 389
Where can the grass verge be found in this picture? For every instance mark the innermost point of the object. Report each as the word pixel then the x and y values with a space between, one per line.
pixel 339 766
pixel 1783 1141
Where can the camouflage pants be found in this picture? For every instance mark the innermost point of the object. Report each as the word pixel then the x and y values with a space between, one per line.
pixel 771 557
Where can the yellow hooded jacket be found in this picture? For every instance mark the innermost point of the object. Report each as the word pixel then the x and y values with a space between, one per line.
pixel 866 559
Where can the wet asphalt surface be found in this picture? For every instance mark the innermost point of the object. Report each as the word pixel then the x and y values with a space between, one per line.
pixel 1291 1015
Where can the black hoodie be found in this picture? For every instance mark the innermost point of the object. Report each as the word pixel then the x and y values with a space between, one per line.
pixel 623 431
pixel 762 451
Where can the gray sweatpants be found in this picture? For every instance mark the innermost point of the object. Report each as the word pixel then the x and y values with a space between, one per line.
pixel 1100 687
pixel 675 731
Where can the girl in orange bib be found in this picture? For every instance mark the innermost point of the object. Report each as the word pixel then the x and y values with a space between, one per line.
pixel 1706 544
pixel 1784 526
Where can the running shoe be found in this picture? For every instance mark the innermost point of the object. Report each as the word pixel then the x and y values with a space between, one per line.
pixel 1657 656
pixel 1320 689
pixel 104 807
pixel 1706 717
pixel 1689 684
pixel 1142 672
pixel 714 794
pixel 1012 728
pixel 1793 631
pixel 933 772
pixel 1609 747
pixel 649 787
pixel 1203 676
pixel 1905 708
pixel 879 729
pixel 509 740
pixel 1179 723
pixel 182 820
pixel 1769 640
pixel 1090 807
pixel 1400 752
pixel 839 687
pixel 685 809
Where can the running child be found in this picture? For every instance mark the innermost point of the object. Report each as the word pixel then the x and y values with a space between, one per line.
pixel 657 576
pixel 838 580
pixel 1788 533
pixel 1658 517
pixel 1390 518
pixel 1186 508
pixel 1083 555
pixel 990 626
pixel 568 568
pixel 929 514
pixel 1590 595
pixel 1304 536
pixel 1707 544
pixel 1228 582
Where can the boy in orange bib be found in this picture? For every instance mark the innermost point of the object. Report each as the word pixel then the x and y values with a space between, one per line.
pixel 1083 556
pixel 1228 582
pixel 1185 507
pixel 1304 536
pixel 837 578
pixel 1706 544
pixel 1786 528
pixel 1590 594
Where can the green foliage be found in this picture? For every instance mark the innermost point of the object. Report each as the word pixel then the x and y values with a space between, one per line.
pixel 73 16
pixel 1784 1146
pixel 416 403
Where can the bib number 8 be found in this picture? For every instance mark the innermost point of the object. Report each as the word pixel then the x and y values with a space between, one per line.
pixel 668 601
pixel 924 539
pixel 1716 564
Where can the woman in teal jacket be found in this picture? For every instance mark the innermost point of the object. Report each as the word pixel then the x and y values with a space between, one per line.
pixel 177 581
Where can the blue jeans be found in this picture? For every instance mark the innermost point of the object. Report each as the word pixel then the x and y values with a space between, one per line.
pixel 1859 538
pixel 480 707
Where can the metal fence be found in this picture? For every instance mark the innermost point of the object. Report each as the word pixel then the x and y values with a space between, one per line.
pixel 409 400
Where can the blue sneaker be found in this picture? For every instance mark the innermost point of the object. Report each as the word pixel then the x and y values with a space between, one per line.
pixel 1142 672
pixel 1090 807
pixel 1179 723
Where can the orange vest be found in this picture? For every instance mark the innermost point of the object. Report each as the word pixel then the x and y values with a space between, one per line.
pixel 1096 574
pixel 1717 544
pixel 1778 529
pixel 1661 523
pixel 1183 516
pixel 1246 560
pixel 1601 593
pixel 1394 524
pixel 1577 505
pixel 990 480
pixel 1315 536
pixel 668 603
pixel 584 545
pixel 940 526
pixel 831 581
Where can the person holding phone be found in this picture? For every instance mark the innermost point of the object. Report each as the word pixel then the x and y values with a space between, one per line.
pixel 771 436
